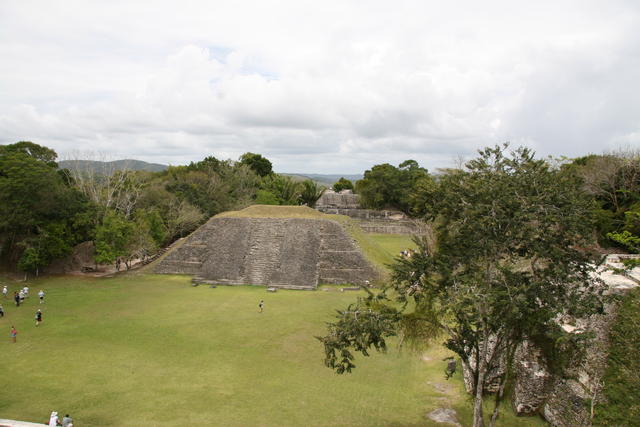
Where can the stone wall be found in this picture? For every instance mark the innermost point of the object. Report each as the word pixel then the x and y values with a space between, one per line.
pixel 563 400
pixel 390 226
pixel 278 252
pixel 345 199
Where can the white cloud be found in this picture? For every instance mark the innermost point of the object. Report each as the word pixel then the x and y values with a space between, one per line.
pixel 333 86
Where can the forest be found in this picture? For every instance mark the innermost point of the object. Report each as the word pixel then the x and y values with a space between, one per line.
pixel 45 211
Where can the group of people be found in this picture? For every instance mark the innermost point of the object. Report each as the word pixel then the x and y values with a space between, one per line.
pixel 19 297
pixel 406 253
pixel 54 420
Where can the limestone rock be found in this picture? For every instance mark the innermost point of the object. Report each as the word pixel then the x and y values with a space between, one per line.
pixel 297 253
pixel 445 416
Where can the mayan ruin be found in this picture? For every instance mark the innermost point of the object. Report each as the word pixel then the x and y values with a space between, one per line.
pixel 292 253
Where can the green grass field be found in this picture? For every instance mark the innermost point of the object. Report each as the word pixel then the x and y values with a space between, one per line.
pixel 149 350
pixel 145 350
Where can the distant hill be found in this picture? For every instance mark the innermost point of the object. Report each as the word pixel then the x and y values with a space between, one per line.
pixel 325 179
pixel 126 164
pixel 138 165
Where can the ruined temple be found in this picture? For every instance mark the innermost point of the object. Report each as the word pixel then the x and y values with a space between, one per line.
pixel 293 253
pixel 563 399
pixel 384 221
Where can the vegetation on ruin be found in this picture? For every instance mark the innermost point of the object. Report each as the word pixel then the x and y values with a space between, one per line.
pixel 380 249
pixel 500 213
pixel 342 184
pixel 621 382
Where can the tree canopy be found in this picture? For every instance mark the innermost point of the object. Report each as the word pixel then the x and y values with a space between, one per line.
pixel 505 261
pixel 342 184
pixel 260 165
pixel 387 186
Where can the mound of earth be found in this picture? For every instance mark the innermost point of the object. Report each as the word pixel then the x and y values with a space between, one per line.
pixel 274 246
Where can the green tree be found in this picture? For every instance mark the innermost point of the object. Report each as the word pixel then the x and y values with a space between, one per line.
pixel 51 242
pixel 35 151
pixel 310 193
pixel 261 165
pixel 286 190
pixel 38 208
pixel 505 263
pixel 113 237
pixel 342 184
pixel 264 197
pixel 387 186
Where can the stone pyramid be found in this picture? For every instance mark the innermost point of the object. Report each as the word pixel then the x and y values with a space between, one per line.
pixel 294 253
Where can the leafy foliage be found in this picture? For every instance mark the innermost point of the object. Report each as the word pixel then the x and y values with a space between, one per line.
pixel 622 377
pixel 387 186
pixel 38 209
pixel 112 238
pixel 260 165
pixel 342 184
pixel 613 180
pixel 504 264
pixel 310 192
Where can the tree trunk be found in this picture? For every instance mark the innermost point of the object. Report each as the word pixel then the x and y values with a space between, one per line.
pixel 481 363
pixel 499 395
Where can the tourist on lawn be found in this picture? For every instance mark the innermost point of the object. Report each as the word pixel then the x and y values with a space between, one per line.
pixel 38 317
pixel 1 311
pixel 41 296
pixel 21 295
pixel 16 298
pixel 54 421
pixel 261 305
pixel 13 333
pixel 67 421
pixel 25 291
pixel 5 291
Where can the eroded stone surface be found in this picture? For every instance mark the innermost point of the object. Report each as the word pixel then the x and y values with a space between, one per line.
pixel 277 252
pixel 445 416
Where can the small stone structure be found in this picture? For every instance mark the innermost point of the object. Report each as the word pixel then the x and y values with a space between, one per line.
pixel 344 199
pixel 346 203
pixel 293 253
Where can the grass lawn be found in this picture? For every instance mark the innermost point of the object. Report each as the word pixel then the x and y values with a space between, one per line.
pixel 145 350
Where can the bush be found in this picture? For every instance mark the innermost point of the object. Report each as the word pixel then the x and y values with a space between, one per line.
pixel 622 377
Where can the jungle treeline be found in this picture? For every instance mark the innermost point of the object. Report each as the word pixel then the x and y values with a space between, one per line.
pixel 45 211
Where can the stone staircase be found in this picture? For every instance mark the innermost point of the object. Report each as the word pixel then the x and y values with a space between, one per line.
pixel 340 261
pixel 264 254
pixel 284 253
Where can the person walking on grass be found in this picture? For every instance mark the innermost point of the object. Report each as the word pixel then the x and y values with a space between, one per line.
pixel 13 333
pixel 38 317
pixel 41 296
pixel 5 291
pixel 261 305
pixel 67 421
pixel 1 311
pixel 16 298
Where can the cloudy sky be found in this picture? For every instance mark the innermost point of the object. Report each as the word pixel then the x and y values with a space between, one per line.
pixel 319 86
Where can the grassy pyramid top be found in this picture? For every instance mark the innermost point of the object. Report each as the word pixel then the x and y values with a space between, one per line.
pixel 269 211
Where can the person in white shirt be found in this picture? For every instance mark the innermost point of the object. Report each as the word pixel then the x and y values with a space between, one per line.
pixel 53 420
pixel 41 296
pixel 5 291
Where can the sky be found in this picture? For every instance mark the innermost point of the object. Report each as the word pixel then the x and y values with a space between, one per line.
pixel 319 86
